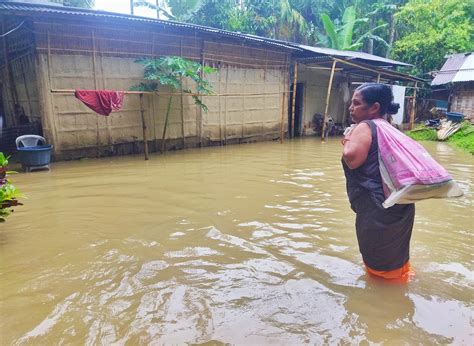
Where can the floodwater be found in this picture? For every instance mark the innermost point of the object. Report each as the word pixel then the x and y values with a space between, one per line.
pixel 249 244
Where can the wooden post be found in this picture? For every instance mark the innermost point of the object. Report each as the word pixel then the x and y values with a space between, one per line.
pixel 293 106
pixel 328 96
pixel 145 137
pixel 378 77
pixel 413 108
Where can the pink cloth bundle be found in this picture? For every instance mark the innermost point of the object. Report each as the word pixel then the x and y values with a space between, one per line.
pixel 409 173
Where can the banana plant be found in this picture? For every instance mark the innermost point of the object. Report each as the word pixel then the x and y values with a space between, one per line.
pixel 341 37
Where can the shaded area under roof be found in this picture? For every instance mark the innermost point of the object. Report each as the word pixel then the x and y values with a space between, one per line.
pixel 457 68
pixel 350 55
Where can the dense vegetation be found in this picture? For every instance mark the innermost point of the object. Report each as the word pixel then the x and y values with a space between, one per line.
pixel 419 32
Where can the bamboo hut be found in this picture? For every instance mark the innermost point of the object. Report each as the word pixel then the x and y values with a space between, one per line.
pixel 48 52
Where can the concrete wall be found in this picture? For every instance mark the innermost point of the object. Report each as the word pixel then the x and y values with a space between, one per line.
pixel 76 131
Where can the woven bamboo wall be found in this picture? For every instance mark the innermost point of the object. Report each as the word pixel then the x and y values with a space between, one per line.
pixel 246 106
pixel 463 100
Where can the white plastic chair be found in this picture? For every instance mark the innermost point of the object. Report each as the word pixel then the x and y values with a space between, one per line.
pixel 29 141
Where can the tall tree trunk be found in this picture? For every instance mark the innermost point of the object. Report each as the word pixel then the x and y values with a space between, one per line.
pixel 370 42
pixel 391 36
pixel 131 7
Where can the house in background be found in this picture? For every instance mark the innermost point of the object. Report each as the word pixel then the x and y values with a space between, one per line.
pixel 48 52
pixel 453 85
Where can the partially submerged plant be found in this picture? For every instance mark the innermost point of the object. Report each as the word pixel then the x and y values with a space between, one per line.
pixel 174 71
pixel 8 192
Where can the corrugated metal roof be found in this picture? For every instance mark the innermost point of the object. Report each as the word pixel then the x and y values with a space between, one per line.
pixel 353 55
pixel 457 68
pixel 34 9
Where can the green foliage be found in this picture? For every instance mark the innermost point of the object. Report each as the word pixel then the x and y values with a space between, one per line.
pixel 342 37
pixel 79 3
pixel 182 10
pixel 173 71
pixel 430 30
pixel 423 134
pixel 8 193
pixel 463 138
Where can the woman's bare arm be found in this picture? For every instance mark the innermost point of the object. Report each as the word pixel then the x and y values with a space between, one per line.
pixel 356 146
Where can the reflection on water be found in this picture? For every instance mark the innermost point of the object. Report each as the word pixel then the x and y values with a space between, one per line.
pixel 242 244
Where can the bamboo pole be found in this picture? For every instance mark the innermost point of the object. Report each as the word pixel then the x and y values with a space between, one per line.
pixel 225 111
pixel 378 78
pixel 293 106
pixel 413 108
pixel 145 137
pixel 131 92
pixel 283 96
pixel 373 70
pixel 182 97
pixel 26 87
pixel 163 139
pixel 94 74
pixel 9 76
pixel 201 122
pixel 328 96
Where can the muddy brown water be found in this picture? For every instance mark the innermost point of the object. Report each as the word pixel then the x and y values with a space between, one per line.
pixel 250 244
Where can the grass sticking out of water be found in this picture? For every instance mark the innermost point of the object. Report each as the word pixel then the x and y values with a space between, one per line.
pixel 463 138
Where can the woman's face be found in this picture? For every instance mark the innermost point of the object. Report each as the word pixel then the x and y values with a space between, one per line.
pixel 358 108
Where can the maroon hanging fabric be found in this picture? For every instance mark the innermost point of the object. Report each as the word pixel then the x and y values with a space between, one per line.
pixel 101 101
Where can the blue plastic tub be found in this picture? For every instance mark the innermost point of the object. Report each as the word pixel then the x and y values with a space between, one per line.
pixel 455 116
pixel 35 156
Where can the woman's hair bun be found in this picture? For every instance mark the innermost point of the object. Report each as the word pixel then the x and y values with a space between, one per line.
pixel 393 108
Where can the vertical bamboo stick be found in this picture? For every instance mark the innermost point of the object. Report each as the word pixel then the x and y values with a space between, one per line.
pixel 328 96
pixel 293 105
pixel 225 111
pixel 26 86
pixel 413 108
pixel 94 74
pixel 283 95
pixel 220 108
pixel 163 139
pixel 201 121
pixel 145 137
pixel 378 77
pixel 49 60
pixel 8 75
pixel 182 97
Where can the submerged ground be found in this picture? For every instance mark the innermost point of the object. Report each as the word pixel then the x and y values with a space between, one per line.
pixel 240 244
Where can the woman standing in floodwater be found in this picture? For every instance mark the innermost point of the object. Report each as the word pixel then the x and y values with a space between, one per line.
pixel 383 234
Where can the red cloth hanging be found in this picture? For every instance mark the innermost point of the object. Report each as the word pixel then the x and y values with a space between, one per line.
pixel 101 101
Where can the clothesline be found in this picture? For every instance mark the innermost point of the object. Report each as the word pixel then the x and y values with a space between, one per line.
pixel 133 92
